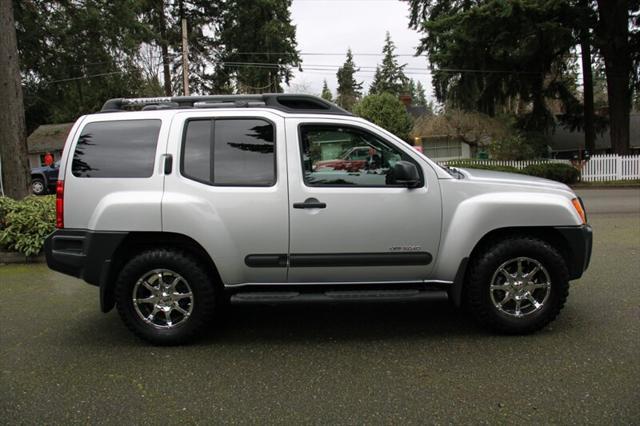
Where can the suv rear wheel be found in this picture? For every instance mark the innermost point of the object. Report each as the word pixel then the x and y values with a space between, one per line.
pixel 517 285
pixel 165 296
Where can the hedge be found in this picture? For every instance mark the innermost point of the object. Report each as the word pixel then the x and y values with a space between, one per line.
pixel 555 171
pixel 26 223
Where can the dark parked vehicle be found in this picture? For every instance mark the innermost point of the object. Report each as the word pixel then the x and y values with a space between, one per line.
pixel 43 179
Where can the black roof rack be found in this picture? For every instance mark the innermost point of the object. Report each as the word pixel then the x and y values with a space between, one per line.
pixel 286 102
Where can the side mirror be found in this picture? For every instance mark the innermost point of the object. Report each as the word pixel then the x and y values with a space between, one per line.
pixel 404 173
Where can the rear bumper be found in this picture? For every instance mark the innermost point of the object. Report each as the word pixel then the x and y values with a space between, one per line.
pixel 81 253
pixel 580 242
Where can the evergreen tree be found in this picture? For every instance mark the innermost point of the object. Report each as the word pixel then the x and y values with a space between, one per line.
pixel 420 98
pixel 326 93
pixel 349 90
pixel 389 77
pixel 75 55
pixel 528 43
pixel 257 32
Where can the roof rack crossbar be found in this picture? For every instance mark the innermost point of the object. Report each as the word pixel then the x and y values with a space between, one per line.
pixel 286 102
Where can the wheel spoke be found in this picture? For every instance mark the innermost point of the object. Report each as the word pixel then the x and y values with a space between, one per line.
pixel 533 272
pixel 149 287
pixel 533 301
pixel 179 296
pixel 517 311
pixel 519 266
pixel 535 286
pixel 182 311
pixel 149 300
pixel 152 315
pixel 174 283
pixel 167 316
pixel 507 275
pixel 505 299
pixel 502 287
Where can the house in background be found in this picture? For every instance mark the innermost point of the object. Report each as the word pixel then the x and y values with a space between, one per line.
pixel 563 143
pixel 567 144
pixel 47 138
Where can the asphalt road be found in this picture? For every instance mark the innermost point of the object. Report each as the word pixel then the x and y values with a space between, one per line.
pixel 62 361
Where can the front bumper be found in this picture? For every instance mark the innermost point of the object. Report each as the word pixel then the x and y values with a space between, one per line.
pixel 580 242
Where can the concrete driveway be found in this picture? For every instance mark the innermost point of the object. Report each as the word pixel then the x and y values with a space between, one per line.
pixel 62 361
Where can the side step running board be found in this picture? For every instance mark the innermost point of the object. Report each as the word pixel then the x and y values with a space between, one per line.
pixel 337 296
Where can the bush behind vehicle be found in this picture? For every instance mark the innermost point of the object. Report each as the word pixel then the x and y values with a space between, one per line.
pixel 25 224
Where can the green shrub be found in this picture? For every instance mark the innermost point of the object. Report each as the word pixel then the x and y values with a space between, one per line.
pixel 25 224
pixel 559 172
pixel 472 165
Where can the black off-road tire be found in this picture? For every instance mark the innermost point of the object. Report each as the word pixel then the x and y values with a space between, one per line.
pixel 203 288
pixel 476 295
pixel 38 186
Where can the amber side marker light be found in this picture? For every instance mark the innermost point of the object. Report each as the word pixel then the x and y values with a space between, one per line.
pixel 578 206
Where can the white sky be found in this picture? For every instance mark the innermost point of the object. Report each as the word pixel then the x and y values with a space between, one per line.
pixel 332 26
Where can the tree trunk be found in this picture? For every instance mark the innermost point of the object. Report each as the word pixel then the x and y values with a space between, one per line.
pixel 13 142
pixel 164 46
pixel 587 80
pixel 613 35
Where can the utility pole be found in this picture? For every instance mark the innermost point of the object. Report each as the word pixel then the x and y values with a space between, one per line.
pixel 185 51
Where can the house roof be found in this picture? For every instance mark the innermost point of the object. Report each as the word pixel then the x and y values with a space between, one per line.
pixel 48 137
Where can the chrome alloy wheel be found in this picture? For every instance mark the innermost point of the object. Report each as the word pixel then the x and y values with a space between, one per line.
pixel 520 287
pixel 162 298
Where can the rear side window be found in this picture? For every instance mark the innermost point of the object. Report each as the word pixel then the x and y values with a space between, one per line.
pixel 230 152
pixel 116 149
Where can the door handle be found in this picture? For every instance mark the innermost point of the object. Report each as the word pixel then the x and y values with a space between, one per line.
pixel 310 203
pixel 168 164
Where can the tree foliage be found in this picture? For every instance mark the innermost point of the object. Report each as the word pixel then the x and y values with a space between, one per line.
pixel 326 93
pixel 75 55
pixel 486 54
pixel 258 31
pixel 349 90
pixel 387 111
pixel 389 76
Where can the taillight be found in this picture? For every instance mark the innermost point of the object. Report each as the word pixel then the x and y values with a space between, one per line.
pixel 60 204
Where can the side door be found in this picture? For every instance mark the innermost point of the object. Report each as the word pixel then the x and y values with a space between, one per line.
pixel 356 225
pixel 228 191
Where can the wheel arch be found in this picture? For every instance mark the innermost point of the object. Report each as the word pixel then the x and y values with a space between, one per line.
pixel 548 234
pixel 137 242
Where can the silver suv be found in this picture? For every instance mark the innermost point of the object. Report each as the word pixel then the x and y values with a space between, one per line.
pixel 175 206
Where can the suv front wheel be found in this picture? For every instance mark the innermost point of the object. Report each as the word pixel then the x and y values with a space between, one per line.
pixel 165 296
pixel 517 285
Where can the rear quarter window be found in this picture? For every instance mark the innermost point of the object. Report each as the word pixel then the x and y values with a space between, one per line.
pixel 116 149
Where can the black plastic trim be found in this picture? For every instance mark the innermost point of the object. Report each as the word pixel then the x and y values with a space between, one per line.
pixel 266 260
pixel 308 260
pixel 455 293
pixel 580 242
pixel 81 253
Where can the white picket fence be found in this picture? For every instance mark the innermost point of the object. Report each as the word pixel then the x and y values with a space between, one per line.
pixel 602 168
pixel 599 168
